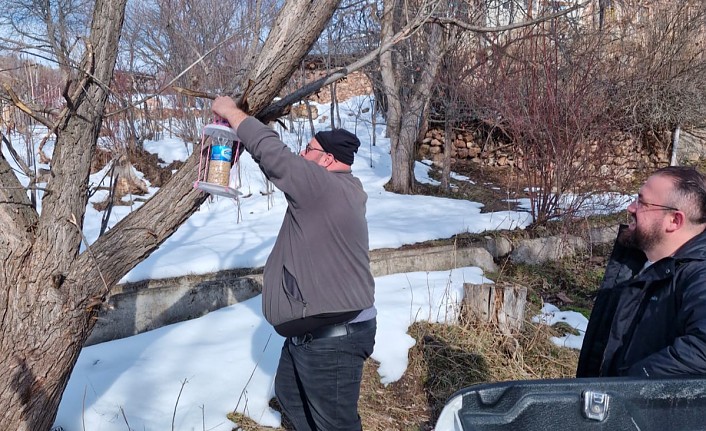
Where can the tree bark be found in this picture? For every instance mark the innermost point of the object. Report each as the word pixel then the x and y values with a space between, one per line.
pixel 49 292
pixel 405 99
pixel 676 132
pixel 297 27
pixel 45 311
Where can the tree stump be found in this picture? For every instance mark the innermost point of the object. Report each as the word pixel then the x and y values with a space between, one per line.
pixel 501 304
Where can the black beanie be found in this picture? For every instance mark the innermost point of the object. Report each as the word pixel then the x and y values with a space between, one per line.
pixel 339 142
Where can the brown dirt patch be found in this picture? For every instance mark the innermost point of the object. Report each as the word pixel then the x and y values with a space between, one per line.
pixel 152 167
pixel 494 187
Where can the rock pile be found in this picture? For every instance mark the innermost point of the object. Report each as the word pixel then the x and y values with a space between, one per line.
pixel 465 146
pixel 355 84
pixel 624 156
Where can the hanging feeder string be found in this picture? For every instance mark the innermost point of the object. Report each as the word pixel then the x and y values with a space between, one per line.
pixel 236 156
pixel 203 170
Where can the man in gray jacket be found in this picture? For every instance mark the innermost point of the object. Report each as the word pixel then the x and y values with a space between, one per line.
pixel 318 289
pixel 649 318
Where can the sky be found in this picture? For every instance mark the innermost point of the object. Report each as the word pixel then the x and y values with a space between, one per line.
pixel 189 375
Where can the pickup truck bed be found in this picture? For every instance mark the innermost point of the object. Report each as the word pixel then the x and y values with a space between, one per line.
pixel 578 404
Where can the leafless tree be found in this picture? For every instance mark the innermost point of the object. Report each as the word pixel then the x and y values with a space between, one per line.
pixel 409 71
pixel 546 92
pixel 408 74
pixel 45 315
pixel 657 64
pixel 46 29
pixel 49 291
pixel 170 39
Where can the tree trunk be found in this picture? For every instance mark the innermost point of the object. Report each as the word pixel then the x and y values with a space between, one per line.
pixel 402 154
pixel 501 304
pixel 449 138
pixel 46 310
pixel 406 100
pixel 391 87
pixel 49 292
pixel 298 26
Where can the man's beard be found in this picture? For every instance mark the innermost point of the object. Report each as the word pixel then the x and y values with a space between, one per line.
pixel 640 238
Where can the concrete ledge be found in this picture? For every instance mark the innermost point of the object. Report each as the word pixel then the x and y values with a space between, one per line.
pixel 436 258
pixel 138 307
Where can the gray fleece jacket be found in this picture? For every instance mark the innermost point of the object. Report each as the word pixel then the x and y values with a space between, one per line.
pixel 320 262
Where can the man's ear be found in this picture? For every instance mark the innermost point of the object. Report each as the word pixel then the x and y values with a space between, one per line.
pixel 677 221
pixel 329 160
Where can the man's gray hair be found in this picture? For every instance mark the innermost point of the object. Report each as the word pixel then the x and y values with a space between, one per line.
pixel 689 190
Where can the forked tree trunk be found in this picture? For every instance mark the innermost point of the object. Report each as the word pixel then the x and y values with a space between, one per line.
pixel 49 291
pixel 406 100
pixel 46 310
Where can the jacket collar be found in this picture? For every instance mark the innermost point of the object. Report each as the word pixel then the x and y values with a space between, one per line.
pixel 694 249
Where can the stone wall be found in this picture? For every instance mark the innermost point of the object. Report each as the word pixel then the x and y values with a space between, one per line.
pixel 626 155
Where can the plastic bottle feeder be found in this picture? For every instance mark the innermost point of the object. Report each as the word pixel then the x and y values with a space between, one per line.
pixel 218 163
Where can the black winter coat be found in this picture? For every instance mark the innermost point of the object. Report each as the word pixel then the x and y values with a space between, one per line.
pixel 650 323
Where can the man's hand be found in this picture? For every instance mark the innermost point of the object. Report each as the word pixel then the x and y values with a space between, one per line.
pixel 225 107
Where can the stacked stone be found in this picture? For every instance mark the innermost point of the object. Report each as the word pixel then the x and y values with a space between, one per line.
pixel 464 147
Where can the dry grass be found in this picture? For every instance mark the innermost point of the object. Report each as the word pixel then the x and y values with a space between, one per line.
pixel 447 358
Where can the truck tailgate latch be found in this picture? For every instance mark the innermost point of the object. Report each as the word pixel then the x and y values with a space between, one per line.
pixel 595 405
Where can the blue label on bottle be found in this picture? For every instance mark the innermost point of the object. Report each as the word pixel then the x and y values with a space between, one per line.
pixel 221 152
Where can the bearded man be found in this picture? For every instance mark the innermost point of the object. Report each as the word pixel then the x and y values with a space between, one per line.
pixel 649 317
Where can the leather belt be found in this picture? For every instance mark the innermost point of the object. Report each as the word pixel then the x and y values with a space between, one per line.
pixel 331 331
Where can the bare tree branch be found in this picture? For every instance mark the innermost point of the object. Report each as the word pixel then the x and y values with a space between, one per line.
pixel 176 78
pixel 280 107
pixel 25 108
pixel 479 29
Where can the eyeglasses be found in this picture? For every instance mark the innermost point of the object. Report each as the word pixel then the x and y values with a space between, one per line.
pixel 310 148
pixel 642 204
